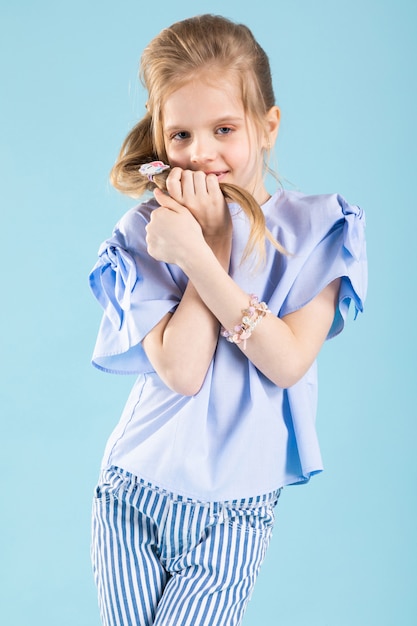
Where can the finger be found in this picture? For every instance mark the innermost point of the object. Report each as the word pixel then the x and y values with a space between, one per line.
pixel 212 183
pixel 167 202
pixel 200 183
pixel 188 184
pixel 174 183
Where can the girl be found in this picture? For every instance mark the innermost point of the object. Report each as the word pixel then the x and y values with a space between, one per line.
pixel 222 329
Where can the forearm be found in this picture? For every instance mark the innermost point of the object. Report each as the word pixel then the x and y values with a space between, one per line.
pixel 186 344
pixel 182 345
pixel 282 349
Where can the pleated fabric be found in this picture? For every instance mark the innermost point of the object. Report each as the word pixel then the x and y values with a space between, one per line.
pixel 164 560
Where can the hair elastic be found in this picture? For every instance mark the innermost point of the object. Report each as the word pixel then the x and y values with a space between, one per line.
pixel 251 318
pixel 152 168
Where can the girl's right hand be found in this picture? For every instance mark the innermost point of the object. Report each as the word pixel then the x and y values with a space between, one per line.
pixel 172 233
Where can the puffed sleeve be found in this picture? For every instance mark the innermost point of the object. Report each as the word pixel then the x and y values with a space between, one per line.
pixel 338 251
pixel 134 291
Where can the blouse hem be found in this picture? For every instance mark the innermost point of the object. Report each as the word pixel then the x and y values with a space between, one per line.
pixel 176 493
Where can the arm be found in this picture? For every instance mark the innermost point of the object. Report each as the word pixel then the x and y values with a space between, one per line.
pixel 282 349
pixel 181 346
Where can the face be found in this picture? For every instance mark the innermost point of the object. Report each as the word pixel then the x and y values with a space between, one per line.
pixel 206 128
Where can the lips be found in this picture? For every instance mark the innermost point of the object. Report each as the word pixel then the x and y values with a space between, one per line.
pixel 218 174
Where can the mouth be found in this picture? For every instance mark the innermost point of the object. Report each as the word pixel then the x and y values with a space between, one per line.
pixel 218 174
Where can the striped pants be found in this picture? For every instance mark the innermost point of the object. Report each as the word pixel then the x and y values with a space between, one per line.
pixel 166 560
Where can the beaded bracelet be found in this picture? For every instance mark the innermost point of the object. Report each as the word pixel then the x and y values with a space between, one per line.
pixel 251 318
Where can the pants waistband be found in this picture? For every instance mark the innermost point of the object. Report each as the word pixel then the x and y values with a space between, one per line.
pixel 119 475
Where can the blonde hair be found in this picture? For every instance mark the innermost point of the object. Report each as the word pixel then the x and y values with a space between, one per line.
pixel 178 54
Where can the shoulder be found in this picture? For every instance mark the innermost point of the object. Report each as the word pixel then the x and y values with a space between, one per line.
pixel 131 226
pixel 297 206
pixel 137 215
pixel 311 216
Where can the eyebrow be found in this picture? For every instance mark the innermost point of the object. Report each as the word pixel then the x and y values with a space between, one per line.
pixel 222 120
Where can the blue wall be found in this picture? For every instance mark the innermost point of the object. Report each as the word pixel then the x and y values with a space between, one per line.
pixel 344 548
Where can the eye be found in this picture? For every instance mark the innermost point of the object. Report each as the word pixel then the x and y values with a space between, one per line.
pixel 224 130
pixel 180 135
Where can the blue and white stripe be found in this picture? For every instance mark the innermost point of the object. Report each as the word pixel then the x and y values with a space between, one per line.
pixel 164 560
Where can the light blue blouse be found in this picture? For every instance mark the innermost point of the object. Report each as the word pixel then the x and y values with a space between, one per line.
pixel 241 435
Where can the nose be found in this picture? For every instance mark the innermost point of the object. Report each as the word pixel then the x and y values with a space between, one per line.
pixel 203 150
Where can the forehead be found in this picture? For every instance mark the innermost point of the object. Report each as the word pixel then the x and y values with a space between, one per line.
pixel 202 97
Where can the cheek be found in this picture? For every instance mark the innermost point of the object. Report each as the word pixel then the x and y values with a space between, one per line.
pixel 241 157
pixel 241 151
pixel 175 158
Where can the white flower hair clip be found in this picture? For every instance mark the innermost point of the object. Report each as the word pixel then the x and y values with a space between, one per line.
pixel 153 168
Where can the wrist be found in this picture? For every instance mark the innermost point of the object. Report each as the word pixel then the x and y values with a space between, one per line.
pixel 196 261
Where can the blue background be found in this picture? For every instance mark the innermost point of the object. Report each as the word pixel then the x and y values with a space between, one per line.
pixel 344 548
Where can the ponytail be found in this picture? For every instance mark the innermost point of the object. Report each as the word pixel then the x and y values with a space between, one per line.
pixel 136 149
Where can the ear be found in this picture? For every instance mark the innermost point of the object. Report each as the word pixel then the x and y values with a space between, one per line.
pixel 272 120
